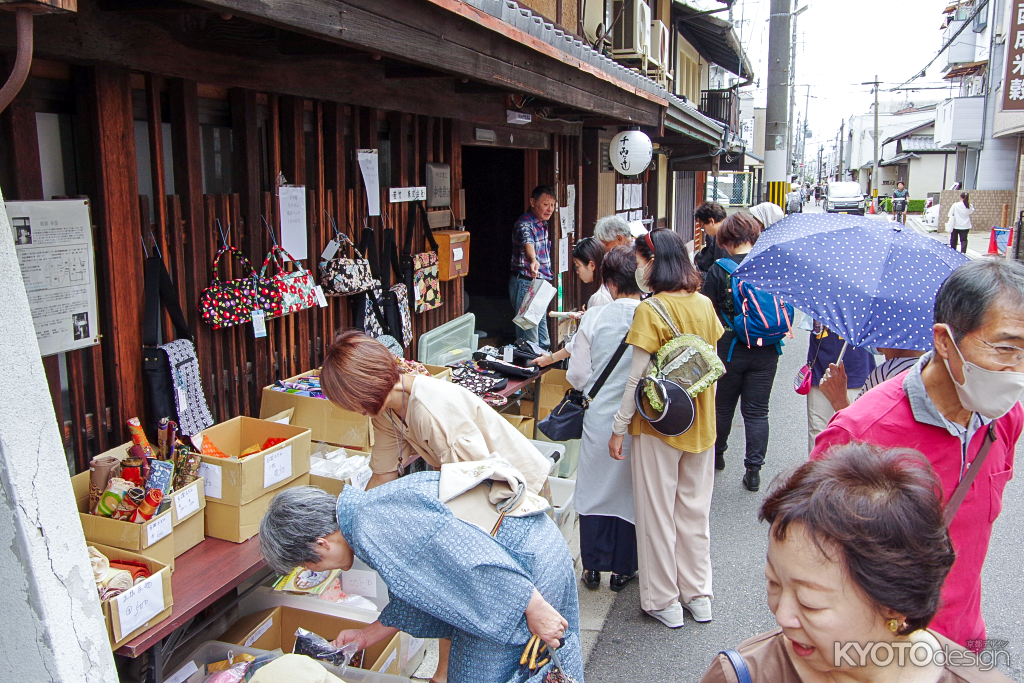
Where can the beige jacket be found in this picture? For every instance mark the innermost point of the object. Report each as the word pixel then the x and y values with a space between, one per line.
pixel 446 423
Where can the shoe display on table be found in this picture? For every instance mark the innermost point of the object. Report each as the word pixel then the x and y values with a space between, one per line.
pixel 752 479
pixel 700 608
pixel 671 616
pixel 591 579
pixel 618 581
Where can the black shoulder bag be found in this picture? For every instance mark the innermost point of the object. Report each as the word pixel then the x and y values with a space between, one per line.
pixel 566 421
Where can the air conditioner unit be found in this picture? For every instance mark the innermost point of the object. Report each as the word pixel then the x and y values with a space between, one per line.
pixel 632 35
pixel 659 44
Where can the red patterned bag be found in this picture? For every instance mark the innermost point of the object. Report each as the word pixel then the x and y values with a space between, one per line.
pixel 297 289
pixel 225 304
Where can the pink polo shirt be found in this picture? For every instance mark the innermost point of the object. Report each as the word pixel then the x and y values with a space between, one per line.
pixel 886 417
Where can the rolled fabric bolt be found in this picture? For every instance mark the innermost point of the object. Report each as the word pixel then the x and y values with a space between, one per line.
pixel 166 433
pixel 101 469
pixel 139 452
pixel 139 437
pixel 148 507
pixel 132 469
pixel 160 474
pixel 111 498
pixel 129 503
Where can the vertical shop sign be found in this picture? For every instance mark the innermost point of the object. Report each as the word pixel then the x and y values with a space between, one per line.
pixel 292 207
pixel 1013 84
pixel 371 179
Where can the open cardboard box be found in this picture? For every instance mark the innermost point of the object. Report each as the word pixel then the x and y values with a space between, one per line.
pixel 327 422
pixel 523 423
pixel 149 600
pixel 440 372
pixel 275 628
pixel 155 537
pixel 188 514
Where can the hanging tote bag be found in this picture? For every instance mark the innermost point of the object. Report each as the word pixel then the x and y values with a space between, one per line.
pixel 170 373
pixel 420 271
pixel 344 275
pixel 225 304
pixel 297 289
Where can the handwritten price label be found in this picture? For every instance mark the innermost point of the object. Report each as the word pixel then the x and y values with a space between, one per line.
pixel 277 466
pixel 139 604
pixel 359 582
pixel 408 194
pixel 158 529
pixel 211 480
pixel 186 502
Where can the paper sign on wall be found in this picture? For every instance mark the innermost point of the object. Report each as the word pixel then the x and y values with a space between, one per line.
pixel 186 502
pixel 408 194
pixel 277 466
pixel 140 603
pixel 359 582
pixel 53 241
pixel 618 197
pixel 292 203
pixel 371 180
pixel 563 255
pixel 211 479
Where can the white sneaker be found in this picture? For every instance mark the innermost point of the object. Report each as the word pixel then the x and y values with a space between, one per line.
pixel 671 616
pixel 700 608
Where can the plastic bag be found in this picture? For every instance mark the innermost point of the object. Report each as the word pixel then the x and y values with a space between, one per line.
pixel 317 647
pixel 233 674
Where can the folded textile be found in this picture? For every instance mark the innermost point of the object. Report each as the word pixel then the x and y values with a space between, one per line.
pixel 211 450
pixel 294 669
pixel 111 498
pixel 100 564
pixel 101 469
pixel 117 579
pixel 138 570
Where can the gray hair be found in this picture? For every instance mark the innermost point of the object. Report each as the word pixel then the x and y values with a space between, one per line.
pixel 608 229
pixel 967 295
pixel 768 213
pixel 295 519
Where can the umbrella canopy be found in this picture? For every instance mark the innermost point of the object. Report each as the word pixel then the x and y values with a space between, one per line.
pixel 873 282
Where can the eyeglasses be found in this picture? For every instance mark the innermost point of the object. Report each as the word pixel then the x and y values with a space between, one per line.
pixel 1006 355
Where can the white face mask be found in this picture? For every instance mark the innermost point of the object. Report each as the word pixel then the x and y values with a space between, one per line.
pixel 640 274
pixel 989 393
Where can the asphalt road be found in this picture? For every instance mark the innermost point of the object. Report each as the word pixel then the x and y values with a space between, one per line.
pixel 634 647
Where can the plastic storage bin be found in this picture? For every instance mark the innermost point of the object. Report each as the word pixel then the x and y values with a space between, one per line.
pixel 564 513
pixel 550 450
pixel 448 343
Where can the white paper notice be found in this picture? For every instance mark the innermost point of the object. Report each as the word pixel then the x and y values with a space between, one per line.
pixel 563 255
pixel 414 645
pixel 53 241
pixel 263 628
pixel 186 502
pixel 158 529
pixel 359 582
pixel 294 236
pixel 408 194
pixel 140 603
pixel 618 197
pixel 567 214
pixel 457 254
pixel 638 196
pixel 183 674
pixel 368 167
pixel 277 466
pixel 211 479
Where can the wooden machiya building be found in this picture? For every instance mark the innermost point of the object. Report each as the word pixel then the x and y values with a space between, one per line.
pixel 174 116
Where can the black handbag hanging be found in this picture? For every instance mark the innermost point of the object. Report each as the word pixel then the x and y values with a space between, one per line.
pixel 565 422
pixel 170 372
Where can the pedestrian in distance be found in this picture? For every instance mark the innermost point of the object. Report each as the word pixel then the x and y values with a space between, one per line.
pixel 708 217
pixel 900 198
pixel 794 200
pixel 824 351
pixel 673 477
pixel 959 406
pixel 857 556
pixel 817 195
pixel 959 222
pixel 531 257
pixel 613 231
pixel 604 486
pixel 749 370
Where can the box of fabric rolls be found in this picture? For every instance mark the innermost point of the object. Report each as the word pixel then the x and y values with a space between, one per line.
pixel 327 422
pixel 99 497
pixel 135 591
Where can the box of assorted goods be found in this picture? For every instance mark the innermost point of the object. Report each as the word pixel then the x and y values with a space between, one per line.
pixel 135 591
pixel 245 462
pixel 326 421
pixel 331 470
pixel 127 499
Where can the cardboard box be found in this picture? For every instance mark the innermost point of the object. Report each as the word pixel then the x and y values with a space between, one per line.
pixel 440 372
pixel 275 628
pixel 190 533
pixel 523 424
pixel 332 486
pixel 152 596
pixel 326 421
pixel 230 481
pixel 155 537
pixel 553 386
pixel 188 515
pixel 239 523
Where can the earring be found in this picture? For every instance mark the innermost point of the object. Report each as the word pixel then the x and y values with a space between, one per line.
pixel 893 625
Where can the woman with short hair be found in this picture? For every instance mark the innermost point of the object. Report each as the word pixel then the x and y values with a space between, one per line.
pixel 857 555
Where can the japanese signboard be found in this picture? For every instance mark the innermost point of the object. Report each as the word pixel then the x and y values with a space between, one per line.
pixel 1013 85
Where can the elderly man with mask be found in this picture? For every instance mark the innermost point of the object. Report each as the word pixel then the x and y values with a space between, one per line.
pixel 959 406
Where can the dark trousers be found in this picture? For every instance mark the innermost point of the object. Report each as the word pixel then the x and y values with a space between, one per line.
pixel 959 235
pixel 749 375
pixel 608 544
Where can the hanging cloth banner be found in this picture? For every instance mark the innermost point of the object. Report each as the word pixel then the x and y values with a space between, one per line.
pixel 294 235
pixel 369 169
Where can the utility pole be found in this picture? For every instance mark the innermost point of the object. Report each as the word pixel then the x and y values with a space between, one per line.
pixel 792 86
pixel 776 163
pixel 819 164
pixel 842 141
pixel 803 133
pixel 874 171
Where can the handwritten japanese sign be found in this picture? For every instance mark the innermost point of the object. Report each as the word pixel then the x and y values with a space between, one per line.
pixel 1013 87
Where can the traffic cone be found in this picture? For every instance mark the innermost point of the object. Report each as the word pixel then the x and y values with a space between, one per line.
pixel 871 210
pixel 993 246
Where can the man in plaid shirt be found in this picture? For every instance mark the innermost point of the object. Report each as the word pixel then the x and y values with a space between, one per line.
pixel 531 256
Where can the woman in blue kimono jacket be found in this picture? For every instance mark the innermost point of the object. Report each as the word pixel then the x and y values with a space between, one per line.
pixel 446 578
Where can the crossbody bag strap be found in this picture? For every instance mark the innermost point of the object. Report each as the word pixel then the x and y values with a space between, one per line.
pixel 159 288
pixel 972 473
pixel 427 230
pixel 739 665
pixel 608 368
pixel 660 309
pixel 378 313
pixel 368 245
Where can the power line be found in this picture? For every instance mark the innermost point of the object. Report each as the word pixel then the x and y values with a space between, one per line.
pixel 981 5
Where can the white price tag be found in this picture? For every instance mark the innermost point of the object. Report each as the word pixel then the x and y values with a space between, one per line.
pixel 277 466
pixel 506 354
pixel 182 398
pixel 186 502
pixel 158 529
pixel 362 477
pixel 416 293
pixel 264 627
pixel 183 674
pixel 457 254
pixel 211 479
pixel 320 298
pixel 330 250
pixel 140 603
pixel 359 582
pixel 259 325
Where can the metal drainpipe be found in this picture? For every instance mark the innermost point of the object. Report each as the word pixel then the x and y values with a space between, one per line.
pixel 23 61
pixel 989 71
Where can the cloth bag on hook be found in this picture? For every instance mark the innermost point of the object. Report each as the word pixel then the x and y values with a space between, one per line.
pixel 343 275
pixel 420 271
pixel 298 291
pixel 225 304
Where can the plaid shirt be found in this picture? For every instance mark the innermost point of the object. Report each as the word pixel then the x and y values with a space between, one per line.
pixel 531 230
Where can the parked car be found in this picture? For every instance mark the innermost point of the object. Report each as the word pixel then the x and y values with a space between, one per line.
pixel 844 197
pixel 932 215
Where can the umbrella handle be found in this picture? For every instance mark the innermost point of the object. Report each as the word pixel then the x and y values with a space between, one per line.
pixel 842 353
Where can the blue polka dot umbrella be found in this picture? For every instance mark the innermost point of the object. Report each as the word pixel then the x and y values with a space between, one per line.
pixel 874 282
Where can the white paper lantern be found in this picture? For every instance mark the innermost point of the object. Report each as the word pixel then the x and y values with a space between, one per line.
pixel 631 152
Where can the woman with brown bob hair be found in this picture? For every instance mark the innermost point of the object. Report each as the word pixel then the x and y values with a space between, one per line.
pixel 419 415
pixel 857 555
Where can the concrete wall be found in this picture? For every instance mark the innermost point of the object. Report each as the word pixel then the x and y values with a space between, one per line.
pixel 988 205
pixel 926 174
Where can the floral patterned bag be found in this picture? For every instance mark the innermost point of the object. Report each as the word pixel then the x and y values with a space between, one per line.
pixel 225 304
pixel 342 275
pixel 297 289
pixel 420 270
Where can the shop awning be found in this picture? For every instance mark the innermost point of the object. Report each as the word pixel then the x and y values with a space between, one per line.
pixel 714 38
pixel 684 119
pixel 908 132
pixel 899 159
pixel 965 69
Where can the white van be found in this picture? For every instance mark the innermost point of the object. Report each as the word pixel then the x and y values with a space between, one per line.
pixel 844 198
